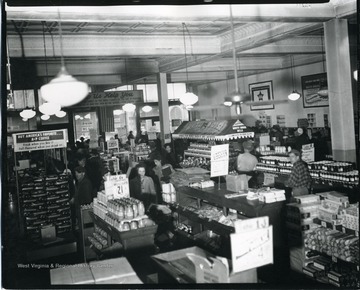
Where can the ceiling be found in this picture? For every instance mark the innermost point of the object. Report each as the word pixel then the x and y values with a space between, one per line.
pixel 109 46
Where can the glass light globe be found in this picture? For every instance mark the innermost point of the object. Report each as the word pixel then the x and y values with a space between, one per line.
pixel 27 113
pixel 294 96
pixel 77 117
pixel 60 114
pixel 227 103
pixel 49 108
pixel 189 99
pixel 189 107
pixel 25 119
pixel 129 107
pixel 45 117
pixel 147 109
pixel 64 90
pixel 87 116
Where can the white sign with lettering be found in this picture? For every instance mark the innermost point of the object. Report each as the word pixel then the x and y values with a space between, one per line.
pixel 219 160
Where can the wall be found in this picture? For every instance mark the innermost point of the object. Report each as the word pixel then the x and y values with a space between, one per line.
pixel 214 94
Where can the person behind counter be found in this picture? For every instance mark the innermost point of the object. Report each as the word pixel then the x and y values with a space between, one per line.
pixel 142 187
pixel 169 156
pixel 301 138
pixel 300 179
pixel 246 163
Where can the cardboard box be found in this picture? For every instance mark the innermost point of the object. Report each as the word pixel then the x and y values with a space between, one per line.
pixel 194 265
pixel 72 275
pixel 236 183
pixel 113 271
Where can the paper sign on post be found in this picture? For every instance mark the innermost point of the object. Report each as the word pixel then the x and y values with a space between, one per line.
pixel 269 179
pixel 308 152
pixel 251 249
pixel 112 144
pixel 219 160
pixel 117 185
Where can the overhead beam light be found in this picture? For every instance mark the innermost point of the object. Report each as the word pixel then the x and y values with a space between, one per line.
pixel 147 109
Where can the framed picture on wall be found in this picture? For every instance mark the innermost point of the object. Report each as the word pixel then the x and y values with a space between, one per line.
pixel 314 89
pixel 261 92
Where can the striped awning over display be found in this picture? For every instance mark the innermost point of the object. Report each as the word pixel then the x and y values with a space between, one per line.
pixel 213 130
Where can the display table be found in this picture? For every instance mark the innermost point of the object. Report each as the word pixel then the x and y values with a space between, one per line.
pixel 130 240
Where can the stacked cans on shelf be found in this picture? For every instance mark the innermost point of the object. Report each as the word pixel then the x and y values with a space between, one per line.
pixel 45 201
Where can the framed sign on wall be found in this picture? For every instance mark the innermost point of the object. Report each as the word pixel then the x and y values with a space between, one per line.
pixel 261 92
pixel 314 89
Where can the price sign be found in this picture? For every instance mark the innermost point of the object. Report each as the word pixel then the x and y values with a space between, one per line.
pixel 323 224
pixel 112 144
pixel 219 160
pixel 269 179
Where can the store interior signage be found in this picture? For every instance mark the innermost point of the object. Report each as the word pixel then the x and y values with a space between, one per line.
pixel 42 140
pixel 111 98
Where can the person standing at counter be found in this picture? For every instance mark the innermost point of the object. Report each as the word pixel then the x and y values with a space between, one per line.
pixel 246 163
pixel 142 187
pixel 301 138
pixel 300 179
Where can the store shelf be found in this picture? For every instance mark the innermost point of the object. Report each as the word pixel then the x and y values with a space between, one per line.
pixel 210 224
pixel 334 183
pixel 196 155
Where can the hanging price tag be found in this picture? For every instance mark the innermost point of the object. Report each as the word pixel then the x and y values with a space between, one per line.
pixel 344 230
pixel 323 224
pixel 334 259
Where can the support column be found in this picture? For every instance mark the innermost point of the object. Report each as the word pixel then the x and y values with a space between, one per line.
pixel 163 108
pixel 341 111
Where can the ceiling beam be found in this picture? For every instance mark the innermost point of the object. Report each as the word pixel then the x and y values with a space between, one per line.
pixel 174 13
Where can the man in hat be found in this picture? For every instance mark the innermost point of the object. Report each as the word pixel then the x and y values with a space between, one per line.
pixel 83 190
pixel 300 179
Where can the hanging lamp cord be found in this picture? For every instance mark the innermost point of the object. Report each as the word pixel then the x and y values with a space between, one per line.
pixel 234 50
pixel 46 64
pixel 61 42
pixel 186 69
pixel 292 71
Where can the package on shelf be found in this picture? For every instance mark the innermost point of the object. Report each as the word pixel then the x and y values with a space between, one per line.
pixel 272 195
pixel 168 188
pixel 312 271
pixel 117 186
pixel 302 211
pixel 350 217
pixel 100 209
pixel 306 199
pixel 334 243
pixel 236 183
pixel 103 198
pixel 323 263
pixel 300 256
pixel 202 184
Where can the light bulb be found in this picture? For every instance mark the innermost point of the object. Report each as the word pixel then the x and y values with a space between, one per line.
pixel 147 109
pixel 49 108
pixel 227 103
pixel 189 99
pixel 129 107
pixel 60 114
pixel 294 96
pixel 45 117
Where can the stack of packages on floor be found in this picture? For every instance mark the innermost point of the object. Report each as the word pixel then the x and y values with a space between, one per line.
pixel 324 239
pixel 45 202
pixel 99 238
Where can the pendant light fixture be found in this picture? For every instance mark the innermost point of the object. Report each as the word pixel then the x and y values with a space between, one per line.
pixel 27 113
pixel 323 91
pixel 295 95
pixel 64 89
pixel 146 108
pixel 235 97
pixel 189 98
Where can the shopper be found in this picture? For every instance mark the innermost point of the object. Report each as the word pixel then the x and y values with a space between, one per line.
pixel 300 179
pixel 95 170
pixel 142 187
pixel 246 163
pixel 169 156
pixel 130 136
pixel 83 190
pixel 301 138
pixel 275 133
